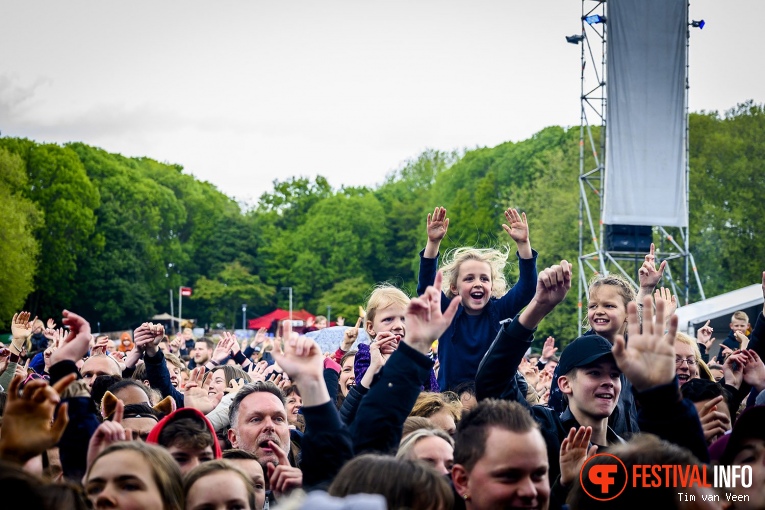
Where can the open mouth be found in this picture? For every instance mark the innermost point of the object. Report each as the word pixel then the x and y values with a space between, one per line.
pixel 600 321
pixel 478 295
pixel 263 445
pixel 683 378
pixel 604 396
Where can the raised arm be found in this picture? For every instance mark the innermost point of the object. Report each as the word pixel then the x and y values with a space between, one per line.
pixel 514 337
pixel 326 444
pixel 517 227
pixel 437 225
pixel 648 275
pixel 648 362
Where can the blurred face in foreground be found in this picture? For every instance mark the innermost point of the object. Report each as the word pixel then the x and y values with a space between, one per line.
pixel 511 474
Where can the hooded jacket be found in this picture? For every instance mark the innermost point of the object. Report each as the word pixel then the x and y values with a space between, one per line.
pixel 185 412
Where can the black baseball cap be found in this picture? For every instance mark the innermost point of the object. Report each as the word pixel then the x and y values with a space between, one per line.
pixel 583 351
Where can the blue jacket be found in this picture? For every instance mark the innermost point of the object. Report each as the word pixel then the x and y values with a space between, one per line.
pixel 463 344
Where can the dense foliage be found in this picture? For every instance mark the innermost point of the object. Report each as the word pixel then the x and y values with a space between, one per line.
pixel 109 236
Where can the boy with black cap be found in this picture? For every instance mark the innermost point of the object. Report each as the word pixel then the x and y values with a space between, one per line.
pixel 590 368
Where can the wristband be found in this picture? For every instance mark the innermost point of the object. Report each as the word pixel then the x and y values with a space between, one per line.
pixel 240 358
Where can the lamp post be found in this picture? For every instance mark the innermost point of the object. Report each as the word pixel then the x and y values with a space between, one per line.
pixel 289 289
pixel 329 311
pixel 244 317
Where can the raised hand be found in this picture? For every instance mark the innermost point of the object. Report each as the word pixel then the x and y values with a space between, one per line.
pixel 549 349
pixel 437 225
pixel 77 341
pixel 649 359
pixel 553 284
pixel 350 335
pixel 195 391
pixel 148 336
pixel 257 371
pixel 733 368
pixel 282 477
pixel 574 450
pixel 743 340
pixel 704 335
pixel 260 337
pixel 29 427
pixel 107 433
pixel 754 371
pixel 102 343
pixel 713 422
pixel 224 347
pixel 424 320
pixel 670 301
pixel 234 385
pixel 21 329
pixel 517 227
pixel 301 359
pixel 648 275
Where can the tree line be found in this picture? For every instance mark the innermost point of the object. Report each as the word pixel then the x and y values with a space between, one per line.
pixel 108 235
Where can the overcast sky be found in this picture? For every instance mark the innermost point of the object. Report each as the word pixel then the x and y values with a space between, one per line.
pixel 244 92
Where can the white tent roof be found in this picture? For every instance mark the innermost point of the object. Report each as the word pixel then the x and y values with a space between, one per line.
pixel 714 307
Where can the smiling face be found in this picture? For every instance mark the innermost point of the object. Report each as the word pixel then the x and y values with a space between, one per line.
pixel 606 311
pixel 685 371
pixel 262 417
pixel 217 386
pixel 123 479
pixel 175 374
pixel 473 285
pixel 347 376
pixel 294 403
pixel 592 391
pixel 512 473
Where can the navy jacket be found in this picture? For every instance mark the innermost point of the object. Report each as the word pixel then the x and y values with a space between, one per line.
pixel 467 338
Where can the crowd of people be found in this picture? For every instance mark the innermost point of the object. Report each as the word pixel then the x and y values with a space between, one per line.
pixel 447 406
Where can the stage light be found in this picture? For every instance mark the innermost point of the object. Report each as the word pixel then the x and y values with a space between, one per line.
pixel 697 24
pixel 594 19
pixel 574 39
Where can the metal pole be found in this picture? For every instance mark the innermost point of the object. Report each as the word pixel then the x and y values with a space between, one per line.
pixel 329 310
pixel 244 317
pixel 180 310
pixel 290 306
pixel 172 312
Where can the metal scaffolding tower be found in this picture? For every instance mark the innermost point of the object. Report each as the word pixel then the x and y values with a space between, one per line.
pixel 672 244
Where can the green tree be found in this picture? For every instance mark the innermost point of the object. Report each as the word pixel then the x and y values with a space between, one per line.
pixel 228 290
pixel 19 249
pixel 60 187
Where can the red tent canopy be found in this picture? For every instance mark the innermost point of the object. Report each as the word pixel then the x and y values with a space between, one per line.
pixel 265 321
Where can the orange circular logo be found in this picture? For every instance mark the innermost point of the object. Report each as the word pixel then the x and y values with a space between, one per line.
pixel 603 477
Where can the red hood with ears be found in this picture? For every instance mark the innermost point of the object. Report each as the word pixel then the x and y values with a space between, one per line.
pixel 185 412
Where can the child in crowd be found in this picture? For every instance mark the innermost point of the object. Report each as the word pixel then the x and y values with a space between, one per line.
pixel 608 297
pixel 476 275
pixel 739 325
